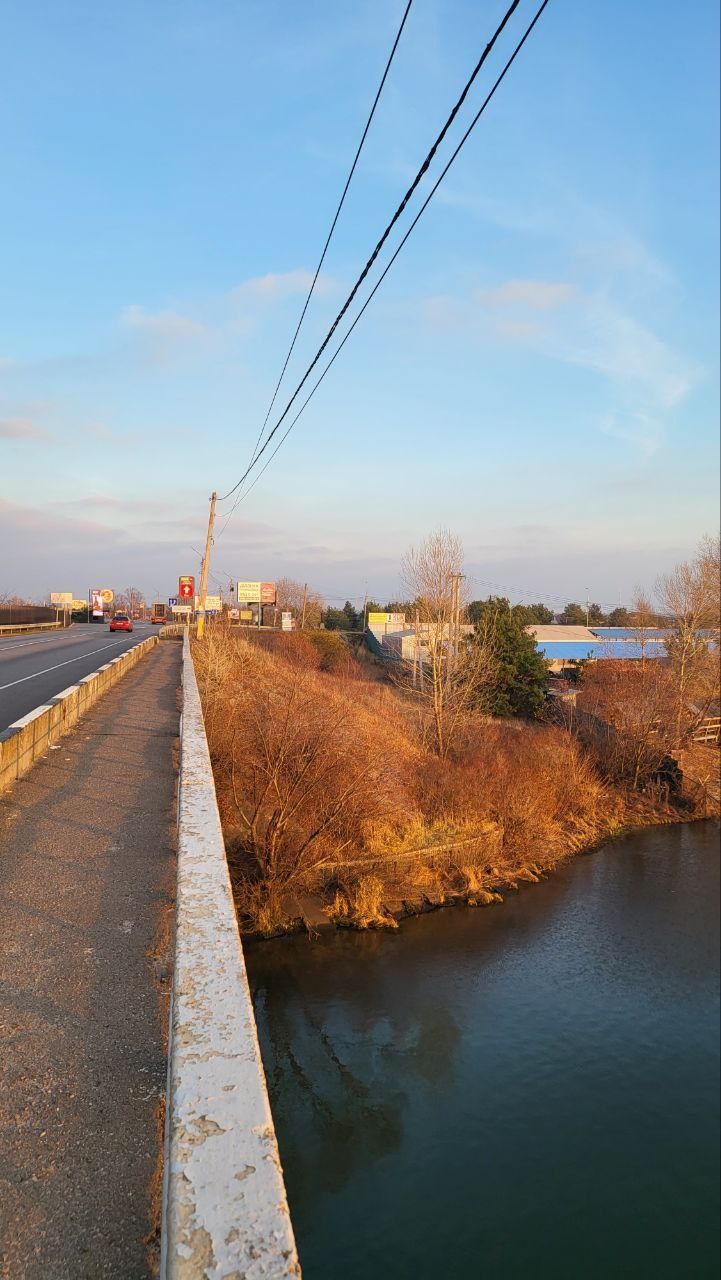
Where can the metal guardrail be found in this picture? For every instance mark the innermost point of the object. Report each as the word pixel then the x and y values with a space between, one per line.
pixel 225 1211
pixel 23 742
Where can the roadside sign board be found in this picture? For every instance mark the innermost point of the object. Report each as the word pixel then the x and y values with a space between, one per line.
pixel 286 621
pixel 172 601
pixel 61 597
pixel 182 608
pixel 255 593
pixel 381 619
pixel 186 588
pixel 96 602
pixel 107 595
pixel 212 604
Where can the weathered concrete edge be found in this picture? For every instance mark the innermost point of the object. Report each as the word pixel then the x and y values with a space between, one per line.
pixel 30 737
pixel 20 628
pixel 225 1212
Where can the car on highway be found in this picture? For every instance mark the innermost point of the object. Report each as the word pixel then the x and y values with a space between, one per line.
pixel 120 622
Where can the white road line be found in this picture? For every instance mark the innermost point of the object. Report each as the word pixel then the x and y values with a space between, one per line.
pixel 23 644
pixel 35 674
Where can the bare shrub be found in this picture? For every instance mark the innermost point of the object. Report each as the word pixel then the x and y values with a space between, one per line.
pixel 626 711
pixel 301 767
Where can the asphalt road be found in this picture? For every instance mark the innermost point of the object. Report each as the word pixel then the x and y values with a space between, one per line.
pixel 35 667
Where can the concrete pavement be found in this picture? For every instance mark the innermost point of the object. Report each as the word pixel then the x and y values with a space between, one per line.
pixel 86 887
pixel 36 667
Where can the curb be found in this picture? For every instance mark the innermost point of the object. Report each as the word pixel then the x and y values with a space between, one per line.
pixel 225 1211
pixel 23 742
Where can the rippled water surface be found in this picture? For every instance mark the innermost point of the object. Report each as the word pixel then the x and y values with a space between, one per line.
pixel 529 1090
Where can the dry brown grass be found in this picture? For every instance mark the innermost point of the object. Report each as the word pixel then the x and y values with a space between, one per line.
pixel 324 786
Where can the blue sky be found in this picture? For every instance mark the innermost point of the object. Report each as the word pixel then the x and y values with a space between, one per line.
pixel 539 371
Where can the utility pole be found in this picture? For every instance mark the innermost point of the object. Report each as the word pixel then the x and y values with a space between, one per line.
pixel 365 608
pixel 588 604
pixel 204 568
pixel 454 625
pixel 305 601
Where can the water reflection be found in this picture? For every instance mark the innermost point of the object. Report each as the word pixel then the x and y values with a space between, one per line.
pixel 340 1066
pixel 530 1090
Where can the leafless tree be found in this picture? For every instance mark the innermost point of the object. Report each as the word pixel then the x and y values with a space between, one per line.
pixel 451 672
pixel 643 619
pixel 291 595
pixel 129 599
pixel 689 595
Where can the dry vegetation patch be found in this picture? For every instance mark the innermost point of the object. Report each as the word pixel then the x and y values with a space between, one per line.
pixel 326 785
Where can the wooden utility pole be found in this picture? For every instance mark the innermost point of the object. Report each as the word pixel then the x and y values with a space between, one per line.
pixel 365 608
pixel 305 601
pixel 204 568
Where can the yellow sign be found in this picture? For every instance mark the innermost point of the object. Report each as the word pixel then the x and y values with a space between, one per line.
pixel 380 619
pixel 80 604
pixel 107 595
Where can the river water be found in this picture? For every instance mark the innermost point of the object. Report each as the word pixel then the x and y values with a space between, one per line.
pixel 528 1090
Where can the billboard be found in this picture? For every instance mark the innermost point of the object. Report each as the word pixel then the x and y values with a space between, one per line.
pixel 212 604
pixel 186 587
pixel 100 599
pixel 255 593
pixel 381 619
pixel 61 597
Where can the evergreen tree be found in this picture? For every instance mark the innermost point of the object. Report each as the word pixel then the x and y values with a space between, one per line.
pixel 521 673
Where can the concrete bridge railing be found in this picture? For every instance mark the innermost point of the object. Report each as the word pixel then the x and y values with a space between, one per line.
pixel 19 628
pixel 225 1211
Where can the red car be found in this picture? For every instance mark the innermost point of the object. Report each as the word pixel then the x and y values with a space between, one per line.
pixel 121 622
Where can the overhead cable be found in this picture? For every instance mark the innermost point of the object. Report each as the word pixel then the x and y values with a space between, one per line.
pixel 398 213
pixel 381 278
pixel 332 228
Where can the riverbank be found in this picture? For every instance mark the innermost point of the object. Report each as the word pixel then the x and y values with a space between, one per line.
pixel 338 813
pixel 382 899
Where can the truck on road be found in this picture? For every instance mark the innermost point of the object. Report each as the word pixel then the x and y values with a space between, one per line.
pixel 160 613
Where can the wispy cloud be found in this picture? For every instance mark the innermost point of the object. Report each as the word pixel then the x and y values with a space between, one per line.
pixel 277 286
pixel 538 295
pixel 22 429
pixel 647 378
pixel 168 325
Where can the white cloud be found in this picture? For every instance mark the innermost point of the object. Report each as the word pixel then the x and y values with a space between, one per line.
pixel 169 326
pixel 276 286
pixel 539 295
pixel 21 429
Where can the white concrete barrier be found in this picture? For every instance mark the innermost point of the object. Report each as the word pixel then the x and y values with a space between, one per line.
pixel 19 628
pixel 23 742
pixel 225 1212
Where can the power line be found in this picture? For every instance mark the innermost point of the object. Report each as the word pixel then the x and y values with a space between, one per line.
pixel 399 211
pixel 540 595
pixel 332 228
pixel 381 278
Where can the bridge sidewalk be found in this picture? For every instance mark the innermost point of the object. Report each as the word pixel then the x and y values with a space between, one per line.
pixel 86 888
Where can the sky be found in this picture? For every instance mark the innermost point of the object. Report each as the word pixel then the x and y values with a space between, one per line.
pixel 538 372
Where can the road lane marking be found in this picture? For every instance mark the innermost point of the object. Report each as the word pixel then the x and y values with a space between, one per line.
pixel 35 674
pixel 23 644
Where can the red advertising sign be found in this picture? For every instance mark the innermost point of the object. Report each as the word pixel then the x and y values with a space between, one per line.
pixel 267 593
pixel 186 588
